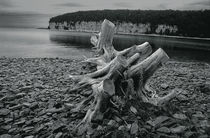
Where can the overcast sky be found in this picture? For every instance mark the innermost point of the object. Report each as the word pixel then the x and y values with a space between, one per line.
pixel 48 8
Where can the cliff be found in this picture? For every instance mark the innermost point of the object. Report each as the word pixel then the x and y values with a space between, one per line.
pixel 168 22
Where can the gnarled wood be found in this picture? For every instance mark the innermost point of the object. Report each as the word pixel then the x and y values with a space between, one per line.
pixel 132 66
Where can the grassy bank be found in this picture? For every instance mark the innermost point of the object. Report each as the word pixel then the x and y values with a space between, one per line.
pixel 34 100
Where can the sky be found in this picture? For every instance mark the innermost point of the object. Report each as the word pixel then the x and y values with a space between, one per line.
pixel 36 13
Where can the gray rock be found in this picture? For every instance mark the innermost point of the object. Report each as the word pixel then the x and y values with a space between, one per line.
pixel 157 121
pixel 16 107
pixel 26 104
pixel 180 116
pixel 58 135
pixel 134 128
pixel 164 130
pixel 5 136
pixel 178 129
pixel 29 136
pixel 4 112
pixel 164 86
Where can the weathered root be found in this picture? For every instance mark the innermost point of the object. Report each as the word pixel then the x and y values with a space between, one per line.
pixel 132 67
pixel 103 92
pixel 144 50
pixel 142 71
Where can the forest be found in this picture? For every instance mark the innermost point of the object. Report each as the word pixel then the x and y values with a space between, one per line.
pixel 189 23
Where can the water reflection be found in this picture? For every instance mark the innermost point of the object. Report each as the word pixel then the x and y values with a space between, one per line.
pixel 176 48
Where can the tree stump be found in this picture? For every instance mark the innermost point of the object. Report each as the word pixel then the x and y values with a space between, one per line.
pixel 132 66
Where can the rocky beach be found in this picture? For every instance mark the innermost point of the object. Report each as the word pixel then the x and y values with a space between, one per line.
pixel 36 101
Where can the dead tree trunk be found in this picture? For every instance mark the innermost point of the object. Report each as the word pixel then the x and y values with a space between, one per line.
pixel 133 65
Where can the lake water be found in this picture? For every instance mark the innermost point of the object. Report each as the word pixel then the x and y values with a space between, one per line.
pixel 44 43
pixel 16 42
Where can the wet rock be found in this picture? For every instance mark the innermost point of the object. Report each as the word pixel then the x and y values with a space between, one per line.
pixel 190 134
pixel 39 128
pixel 122 128
pixel 55 110
pixel 16 107
pixel 198 115
pixel 157 121
pixel 178 129
pixel 26 88
pixel 182 97
pixel 29 136
pixel 113 123
pixel 164 130
pixel 205 88
pixel 34 105
pixel 134 128
pixel 28 129
pixel 26 104
pixel 4 112
pixel 5 136
pixel 20 122
pixel 58 135
pixel 180 116
pixel 20 95
pixel 7 127
pixel 133 110
pixel 164 86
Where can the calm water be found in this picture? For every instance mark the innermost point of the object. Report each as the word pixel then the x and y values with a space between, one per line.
pixel 15 42
pixel 45 43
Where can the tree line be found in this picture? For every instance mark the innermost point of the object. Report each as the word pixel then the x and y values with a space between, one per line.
pixel 189 23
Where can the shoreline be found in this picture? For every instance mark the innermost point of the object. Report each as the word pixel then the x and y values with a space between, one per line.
pixel 35 99
pixel 137 34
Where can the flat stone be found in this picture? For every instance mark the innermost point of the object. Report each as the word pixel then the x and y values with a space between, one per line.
pixel 180 116
pixel 113 123
pixel 28 129
pixel 58 135
pixel 20 122
pixel 29 136
pixel 198 115
pixel 4 112
pixel 164 86
pixel 178 129
pixel 122 128
pixel 134 128
pixel 133 110
pixel 26 104
pixel 157 121
pixel 164 130
pixel 15 107
pixel 20 95
pixel 5 136
pixel 8 120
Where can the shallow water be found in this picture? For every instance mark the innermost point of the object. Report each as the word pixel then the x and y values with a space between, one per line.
pixel 16 42
pixel 44 43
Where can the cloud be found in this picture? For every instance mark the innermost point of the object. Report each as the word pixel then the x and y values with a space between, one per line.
pixel 162 6
pixel 70 4
pixel 6 4
pixel 201 3
pixel 123 5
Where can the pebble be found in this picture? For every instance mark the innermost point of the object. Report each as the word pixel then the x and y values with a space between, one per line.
pixel 180 116
pixel 4 112
pixel 178 129
pixel 134 128
pixel 16 107
pixel 164 130
pixel 5 136
pixel 164 86
pixel 26 104
pixel 157 120
pixel 29 136
pixel 58 135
